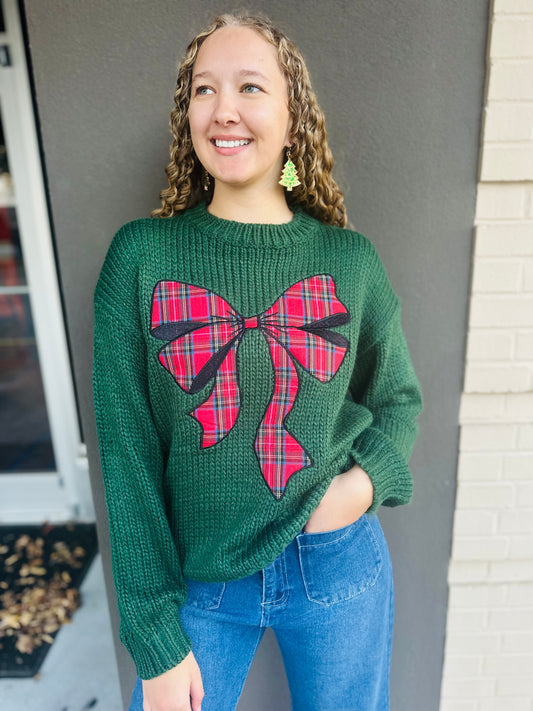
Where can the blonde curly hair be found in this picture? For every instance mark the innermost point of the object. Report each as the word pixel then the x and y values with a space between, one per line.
pixel 318 193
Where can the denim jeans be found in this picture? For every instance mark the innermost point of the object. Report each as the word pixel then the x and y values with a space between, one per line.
pixel 328 597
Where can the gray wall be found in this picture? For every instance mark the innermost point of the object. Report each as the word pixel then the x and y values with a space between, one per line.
pixel 402 87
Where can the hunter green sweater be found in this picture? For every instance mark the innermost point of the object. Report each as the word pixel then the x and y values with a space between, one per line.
pixel 237 369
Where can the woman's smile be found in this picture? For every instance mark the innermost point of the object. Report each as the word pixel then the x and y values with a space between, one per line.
pixel 228 146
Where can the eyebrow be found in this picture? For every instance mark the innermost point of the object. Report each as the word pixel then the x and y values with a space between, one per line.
pixel 242 73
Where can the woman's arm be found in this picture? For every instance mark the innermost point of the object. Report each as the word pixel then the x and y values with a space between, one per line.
pixel 385 383
pixel 147 571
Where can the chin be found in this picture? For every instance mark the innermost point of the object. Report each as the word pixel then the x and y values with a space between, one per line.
pixel 235 180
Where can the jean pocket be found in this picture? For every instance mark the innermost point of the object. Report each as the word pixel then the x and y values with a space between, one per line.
pixel 340 564
pixel 207 596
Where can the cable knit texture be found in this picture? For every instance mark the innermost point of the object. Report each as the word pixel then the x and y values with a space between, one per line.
pixel 237 369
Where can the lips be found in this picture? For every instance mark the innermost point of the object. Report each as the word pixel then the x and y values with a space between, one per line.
pixel 219 143
pixel 230 145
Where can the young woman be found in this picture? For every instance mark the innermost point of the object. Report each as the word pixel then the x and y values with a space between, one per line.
pixel 254 397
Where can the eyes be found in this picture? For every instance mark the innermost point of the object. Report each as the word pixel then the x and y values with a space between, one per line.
pixel 246 89
pixel 253 88
pixel 202 90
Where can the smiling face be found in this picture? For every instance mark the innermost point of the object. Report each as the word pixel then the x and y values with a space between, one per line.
pixel 238 113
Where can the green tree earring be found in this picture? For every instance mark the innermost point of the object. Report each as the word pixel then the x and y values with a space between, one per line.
pixel 289 178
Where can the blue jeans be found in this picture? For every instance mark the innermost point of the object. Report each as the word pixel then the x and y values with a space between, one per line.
pixel 328 597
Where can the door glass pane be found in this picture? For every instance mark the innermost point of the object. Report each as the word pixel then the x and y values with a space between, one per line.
pixel 25 439
pixel 6 186
pixel 11 265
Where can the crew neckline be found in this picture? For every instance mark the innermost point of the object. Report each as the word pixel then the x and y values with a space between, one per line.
pixel 257 234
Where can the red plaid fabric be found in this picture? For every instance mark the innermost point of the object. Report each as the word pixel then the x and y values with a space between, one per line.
pixel 204 333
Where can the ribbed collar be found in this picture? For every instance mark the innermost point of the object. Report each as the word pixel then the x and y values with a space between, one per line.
pixel 299 229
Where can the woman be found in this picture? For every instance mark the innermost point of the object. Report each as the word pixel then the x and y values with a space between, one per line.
pixel 254 397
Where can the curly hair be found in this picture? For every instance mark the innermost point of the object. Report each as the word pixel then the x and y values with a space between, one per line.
pixel 318 193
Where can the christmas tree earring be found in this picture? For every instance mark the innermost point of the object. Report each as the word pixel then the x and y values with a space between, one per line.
pixel 289 178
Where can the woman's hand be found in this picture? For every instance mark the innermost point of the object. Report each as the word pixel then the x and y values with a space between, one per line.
pixel 347 498
pixel 178 689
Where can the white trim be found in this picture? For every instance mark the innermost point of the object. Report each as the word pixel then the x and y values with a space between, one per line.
pixel 33 498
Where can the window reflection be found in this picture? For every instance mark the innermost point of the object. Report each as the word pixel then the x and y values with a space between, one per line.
pixel 11 265
pixel 6 186
pixel 25 439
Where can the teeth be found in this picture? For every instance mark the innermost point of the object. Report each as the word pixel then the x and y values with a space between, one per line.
pixel 231 144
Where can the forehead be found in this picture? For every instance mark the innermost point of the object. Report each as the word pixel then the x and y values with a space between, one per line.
pixel 237 47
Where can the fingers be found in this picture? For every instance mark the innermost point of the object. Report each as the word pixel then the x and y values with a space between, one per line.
pixel 196 691
pixel 178 689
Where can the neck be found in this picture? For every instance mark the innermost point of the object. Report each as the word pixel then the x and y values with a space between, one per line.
pixel 252 205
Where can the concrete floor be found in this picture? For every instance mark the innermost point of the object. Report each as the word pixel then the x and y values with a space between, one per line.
pixel 80 670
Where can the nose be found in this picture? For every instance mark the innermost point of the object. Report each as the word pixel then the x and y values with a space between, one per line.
pixel 226 110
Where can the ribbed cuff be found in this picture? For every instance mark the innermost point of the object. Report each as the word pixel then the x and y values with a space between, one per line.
pixel 163 650
pixel 375 452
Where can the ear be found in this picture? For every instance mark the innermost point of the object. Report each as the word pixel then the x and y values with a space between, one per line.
pixel 288 139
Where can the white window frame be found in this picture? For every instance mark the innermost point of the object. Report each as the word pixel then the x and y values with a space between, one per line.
pixel 35 497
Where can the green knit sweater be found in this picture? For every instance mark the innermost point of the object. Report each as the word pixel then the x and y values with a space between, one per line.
pixel 237 369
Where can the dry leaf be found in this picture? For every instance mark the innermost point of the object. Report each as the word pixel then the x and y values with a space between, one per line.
pixel 36 611
pixel 25 644
pixel 35 570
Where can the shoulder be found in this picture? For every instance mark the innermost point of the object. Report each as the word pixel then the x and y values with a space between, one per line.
pixel 121 260
pixel 135 231
pixel 133 237
pixel 357 245
pixel 378 297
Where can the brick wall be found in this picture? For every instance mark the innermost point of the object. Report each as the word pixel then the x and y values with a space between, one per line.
pixel 489 643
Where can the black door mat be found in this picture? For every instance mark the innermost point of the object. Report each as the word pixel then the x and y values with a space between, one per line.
pixel 41 570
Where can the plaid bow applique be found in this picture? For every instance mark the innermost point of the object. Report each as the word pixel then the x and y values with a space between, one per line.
pixel 204 333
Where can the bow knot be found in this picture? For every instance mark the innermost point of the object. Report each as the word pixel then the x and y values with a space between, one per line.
pixel 204 332
pixel 251 322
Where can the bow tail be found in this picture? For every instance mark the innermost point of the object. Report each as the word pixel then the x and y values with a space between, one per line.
pixel 218 413
pixel 280 454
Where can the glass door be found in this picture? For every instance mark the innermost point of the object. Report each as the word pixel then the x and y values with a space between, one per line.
pixel 43 467
pixel 25 438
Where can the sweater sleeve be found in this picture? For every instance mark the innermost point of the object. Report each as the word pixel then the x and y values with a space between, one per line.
pixel 147 573
pixel 384 382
